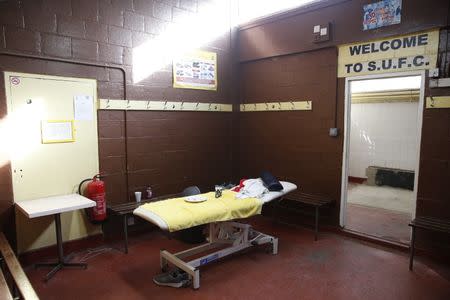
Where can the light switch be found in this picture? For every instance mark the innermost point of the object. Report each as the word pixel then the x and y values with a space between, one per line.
pixel 334 132
pixel 317 29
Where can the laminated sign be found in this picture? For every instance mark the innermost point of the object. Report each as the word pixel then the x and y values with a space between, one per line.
pixel 196 70
pixel 395 54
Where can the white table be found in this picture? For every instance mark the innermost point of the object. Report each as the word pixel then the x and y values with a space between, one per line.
pixel 55 206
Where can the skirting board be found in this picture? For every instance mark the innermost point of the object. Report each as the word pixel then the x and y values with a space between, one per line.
pixel 438 102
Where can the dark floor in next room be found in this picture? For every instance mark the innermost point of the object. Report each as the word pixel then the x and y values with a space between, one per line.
pixel 334 267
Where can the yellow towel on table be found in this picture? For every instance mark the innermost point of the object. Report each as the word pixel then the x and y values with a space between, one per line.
pixel 179 214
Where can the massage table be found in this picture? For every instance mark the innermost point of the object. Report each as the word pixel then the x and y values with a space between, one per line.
pixel 225 234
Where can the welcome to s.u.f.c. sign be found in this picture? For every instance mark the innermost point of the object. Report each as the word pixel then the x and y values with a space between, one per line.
pixel 396 54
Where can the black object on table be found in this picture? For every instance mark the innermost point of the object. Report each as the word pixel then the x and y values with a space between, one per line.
pixel 61 262
pixel 317 201
pixel 427 223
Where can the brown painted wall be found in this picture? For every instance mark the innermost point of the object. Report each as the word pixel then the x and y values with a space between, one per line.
pixel 280 61
pixel 292 32
pixel 168 151
pixel 293 145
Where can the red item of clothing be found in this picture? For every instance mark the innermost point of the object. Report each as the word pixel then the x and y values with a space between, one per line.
pixel 240 186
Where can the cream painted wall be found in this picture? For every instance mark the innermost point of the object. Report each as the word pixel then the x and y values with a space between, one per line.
pixel 383 134
pixel 42 170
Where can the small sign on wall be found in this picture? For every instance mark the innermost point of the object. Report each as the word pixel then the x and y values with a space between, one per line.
pixel 83 107
pixel 396 54
pixel 383 13
pixel 196 70
pixel 57 131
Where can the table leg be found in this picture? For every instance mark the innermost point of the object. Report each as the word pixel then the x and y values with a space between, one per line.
pixel 60 264
pixel 411 248
pixel 125 231
pixel 317 224
pixel 59 242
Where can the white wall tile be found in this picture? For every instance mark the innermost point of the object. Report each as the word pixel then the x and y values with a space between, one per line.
pixel 383 134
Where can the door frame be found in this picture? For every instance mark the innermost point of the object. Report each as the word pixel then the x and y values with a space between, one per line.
pixel 347 125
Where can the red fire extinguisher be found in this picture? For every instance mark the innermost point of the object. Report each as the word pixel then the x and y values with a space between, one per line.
pixel 95 191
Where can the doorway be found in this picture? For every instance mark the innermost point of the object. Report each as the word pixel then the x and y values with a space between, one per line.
pixel 381 154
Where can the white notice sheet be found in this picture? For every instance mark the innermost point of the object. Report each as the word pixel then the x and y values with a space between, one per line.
pixel 83 106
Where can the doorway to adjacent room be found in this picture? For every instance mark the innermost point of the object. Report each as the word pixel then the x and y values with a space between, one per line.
pixel 381 154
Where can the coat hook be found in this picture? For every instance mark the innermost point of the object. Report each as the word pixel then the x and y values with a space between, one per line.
pixel 209 106
pixel 148 104
pixel 165 105
pixel 431 101
pixel 107 103
pixel 267 106
pixel 128 104
pixel 293 105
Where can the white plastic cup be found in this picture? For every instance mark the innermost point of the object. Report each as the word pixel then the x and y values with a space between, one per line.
pixel 138 196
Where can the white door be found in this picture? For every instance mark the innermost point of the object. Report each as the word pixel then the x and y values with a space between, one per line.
pixel 46 169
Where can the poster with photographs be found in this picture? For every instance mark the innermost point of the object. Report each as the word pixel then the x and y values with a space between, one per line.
pixel 383 13
pixel 196 70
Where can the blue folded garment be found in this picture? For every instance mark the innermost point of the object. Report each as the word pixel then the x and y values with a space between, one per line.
pixel 271 183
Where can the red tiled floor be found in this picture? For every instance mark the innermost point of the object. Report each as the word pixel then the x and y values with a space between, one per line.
pixel 382 223
pixel 334 267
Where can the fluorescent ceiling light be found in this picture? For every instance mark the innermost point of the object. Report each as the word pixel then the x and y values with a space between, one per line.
pixel 386 84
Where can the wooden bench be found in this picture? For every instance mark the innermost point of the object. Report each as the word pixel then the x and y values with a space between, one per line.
pixel 427 223
pixel 317 201
pixel 125 210
pixel 21 287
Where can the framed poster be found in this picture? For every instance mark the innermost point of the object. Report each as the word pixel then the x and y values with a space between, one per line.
pixel 383 13
pixel 196 70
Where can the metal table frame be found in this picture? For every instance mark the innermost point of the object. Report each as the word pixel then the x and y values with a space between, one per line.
pixel 61 262
pixel 55 206
pixel 229 237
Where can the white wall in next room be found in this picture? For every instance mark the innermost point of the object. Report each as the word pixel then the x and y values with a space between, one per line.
pixel 383 134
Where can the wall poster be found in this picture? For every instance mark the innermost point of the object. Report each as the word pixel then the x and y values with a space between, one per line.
pixel 383 13
pixel 403 53
pixel 196 70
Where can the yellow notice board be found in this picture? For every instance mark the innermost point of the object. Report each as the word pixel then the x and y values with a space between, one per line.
pixel 196 70
pixel 410 52
pixel 57 131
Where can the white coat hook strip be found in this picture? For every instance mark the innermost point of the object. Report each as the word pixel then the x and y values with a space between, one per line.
pixel 116 104
pixel 276 106
pixel 438 102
